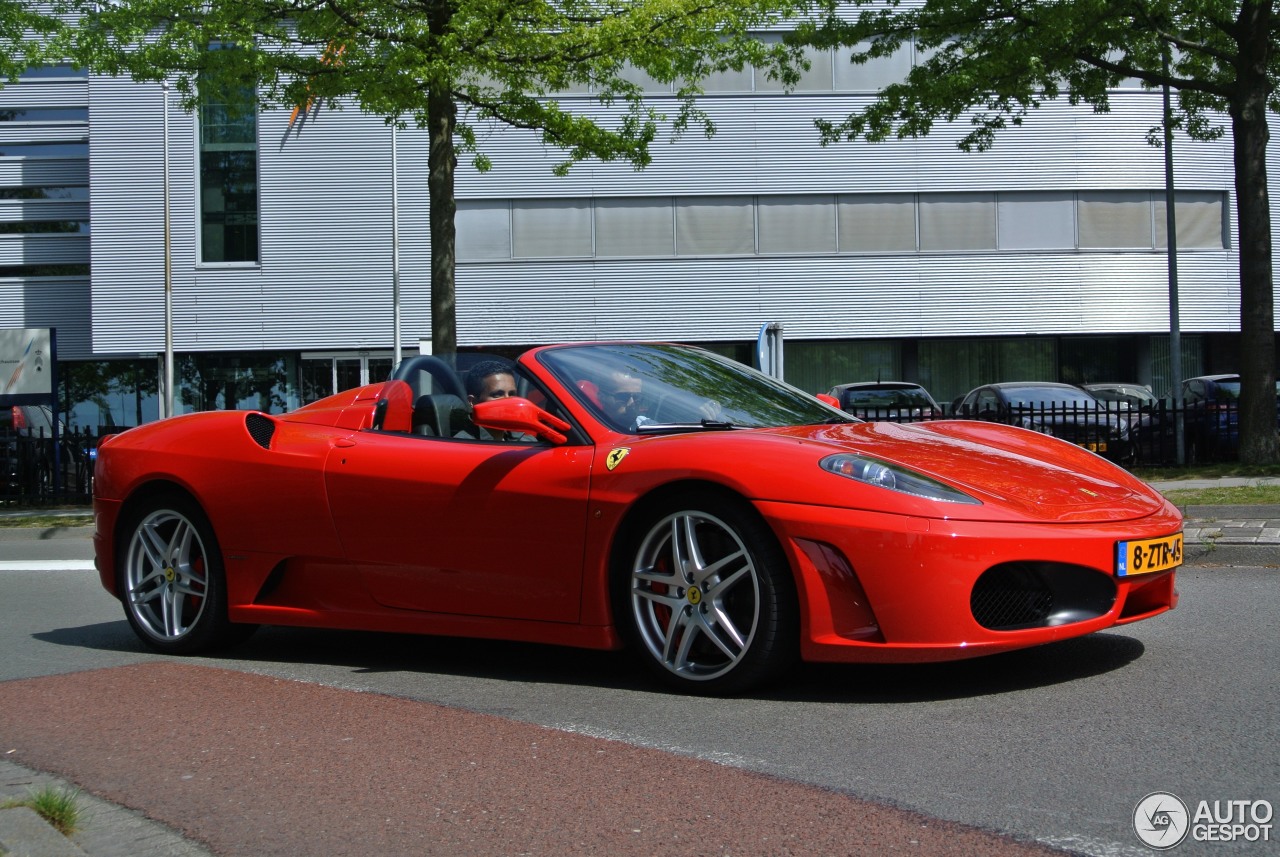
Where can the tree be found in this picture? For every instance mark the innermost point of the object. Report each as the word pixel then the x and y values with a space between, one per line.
pixel 449 66
pixel 997 60
pixel 25 34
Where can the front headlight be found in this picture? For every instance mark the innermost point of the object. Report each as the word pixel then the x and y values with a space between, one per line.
pixel 894 477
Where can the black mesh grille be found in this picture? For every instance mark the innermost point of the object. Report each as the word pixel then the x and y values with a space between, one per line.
pixel 260 429
pixel 1011 596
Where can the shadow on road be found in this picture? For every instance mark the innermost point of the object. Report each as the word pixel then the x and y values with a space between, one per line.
pixel 1042 666
pixel 364 653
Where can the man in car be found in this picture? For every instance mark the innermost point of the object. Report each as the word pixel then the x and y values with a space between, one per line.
pixel 622 398
pixel 487 381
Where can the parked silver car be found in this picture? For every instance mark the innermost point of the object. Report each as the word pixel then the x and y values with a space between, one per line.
pixel 896 401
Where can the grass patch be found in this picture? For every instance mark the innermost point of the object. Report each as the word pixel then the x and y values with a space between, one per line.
pixel 55 805
pixel 1206 471
pixel 1245 495
pixel 1261 495
pixel 48 521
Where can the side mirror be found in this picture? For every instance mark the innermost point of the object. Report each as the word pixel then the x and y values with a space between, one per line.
pixel 829 400
pixel 519 415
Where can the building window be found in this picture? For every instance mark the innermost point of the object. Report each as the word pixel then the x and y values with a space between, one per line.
pixel 44 150
pixel 229 178
pixel 816 77
pixel 635 227
pixel 73 192
pixel 713 226
pixel 797 224
pixel 44 227
pixel 957 221
pixel 1113 219
pixel 1037 221
pixel 874 74
pixel 1200 219
pixel 815 224
pixel 877 223
pixel 251 380
pixel 483 231
pixel 553 227
pixel 44 114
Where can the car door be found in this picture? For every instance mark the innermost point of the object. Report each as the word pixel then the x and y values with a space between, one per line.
pixel 483 528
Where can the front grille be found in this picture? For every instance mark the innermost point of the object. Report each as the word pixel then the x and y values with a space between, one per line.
pixel 1021 595
pixel 1010 597
pixel 261 429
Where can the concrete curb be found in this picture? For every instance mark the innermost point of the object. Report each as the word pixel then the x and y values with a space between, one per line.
pixel 106 829
pixel 23 833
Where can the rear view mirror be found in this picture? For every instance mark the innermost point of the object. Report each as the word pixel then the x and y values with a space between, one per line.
pixel 514 414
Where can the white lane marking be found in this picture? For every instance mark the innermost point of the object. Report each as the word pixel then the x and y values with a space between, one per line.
pixel 46 565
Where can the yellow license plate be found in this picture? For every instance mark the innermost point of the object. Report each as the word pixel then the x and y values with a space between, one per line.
pixel 1148 555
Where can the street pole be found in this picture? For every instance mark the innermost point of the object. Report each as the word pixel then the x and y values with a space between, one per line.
pixel 1171 251
pixel 167 410
pixel 395 249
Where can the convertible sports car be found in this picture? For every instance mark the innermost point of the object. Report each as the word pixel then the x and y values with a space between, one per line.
pixel 719 523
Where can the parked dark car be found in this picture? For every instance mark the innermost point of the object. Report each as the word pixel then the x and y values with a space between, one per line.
pixel 1212 426
pixel 897 401
pixel 1061 410
pixel 1127 397
pixel 1151 419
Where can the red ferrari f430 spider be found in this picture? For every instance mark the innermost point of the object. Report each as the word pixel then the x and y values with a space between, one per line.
pixel 719 523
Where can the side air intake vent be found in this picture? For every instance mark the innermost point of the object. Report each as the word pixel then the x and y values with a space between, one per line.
pixel 261 429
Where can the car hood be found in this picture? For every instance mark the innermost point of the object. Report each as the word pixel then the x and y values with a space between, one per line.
pixel 1015 473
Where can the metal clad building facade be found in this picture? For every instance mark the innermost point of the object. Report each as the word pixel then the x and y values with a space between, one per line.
pixel 321 273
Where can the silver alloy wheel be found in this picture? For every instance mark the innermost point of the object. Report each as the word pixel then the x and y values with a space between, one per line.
pixel 695 595
pixel 166 576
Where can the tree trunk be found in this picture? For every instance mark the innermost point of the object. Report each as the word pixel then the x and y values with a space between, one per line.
pixel 1259 443
pixel 442 162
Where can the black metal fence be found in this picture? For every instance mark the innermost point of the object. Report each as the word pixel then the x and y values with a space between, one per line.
pixel 1131 436
pixel 37 474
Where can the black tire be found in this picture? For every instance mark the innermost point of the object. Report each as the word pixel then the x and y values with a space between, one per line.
pixel 704 596
pixel 172 580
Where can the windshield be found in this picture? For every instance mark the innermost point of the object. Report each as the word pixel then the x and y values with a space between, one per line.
pixel 1047 397
pixel 631 386
pixel 1126 395
pixel 901 397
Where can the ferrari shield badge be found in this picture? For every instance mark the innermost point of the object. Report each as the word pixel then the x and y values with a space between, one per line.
pixel 615 456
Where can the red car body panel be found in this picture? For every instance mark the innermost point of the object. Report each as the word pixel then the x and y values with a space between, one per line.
pixel 338 526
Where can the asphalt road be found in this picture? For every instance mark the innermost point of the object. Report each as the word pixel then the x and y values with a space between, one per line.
pixel 1056 745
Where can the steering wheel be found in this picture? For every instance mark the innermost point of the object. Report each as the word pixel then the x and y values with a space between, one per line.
pixel 446 380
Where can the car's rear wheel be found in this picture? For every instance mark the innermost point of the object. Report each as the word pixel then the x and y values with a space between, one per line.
pixel 709 602
pixel 172 580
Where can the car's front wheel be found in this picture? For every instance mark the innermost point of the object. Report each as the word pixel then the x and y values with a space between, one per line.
pixel 709 601
pixel 172 580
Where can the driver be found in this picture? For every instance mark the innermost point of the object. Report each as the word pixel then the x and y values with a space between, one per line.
pixel 622 397
pixel 485 382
